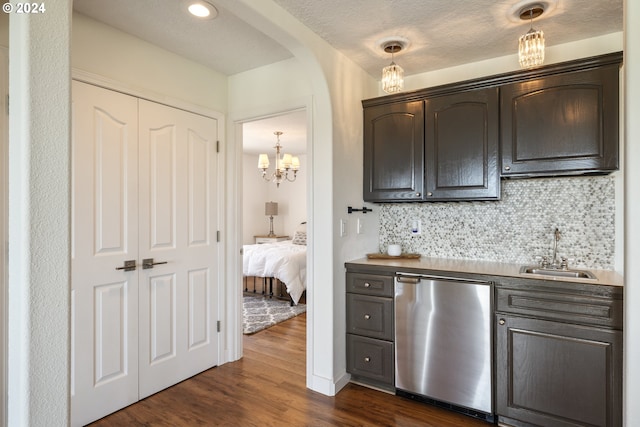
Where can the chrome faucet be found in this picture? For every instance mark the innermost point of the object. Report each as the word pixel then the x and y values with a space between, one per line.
pixel 554 260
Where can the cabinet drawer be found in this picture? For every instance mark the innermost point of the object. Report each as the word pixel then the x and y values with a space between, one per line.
pixel 581 309
pixel 370 358
pixel 370 316
pixel 370 284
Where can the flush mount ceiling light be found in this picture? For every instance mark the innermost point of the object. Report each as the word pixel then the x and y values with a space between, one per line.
pixel 531 44
pixel 393 74
pixel 202 9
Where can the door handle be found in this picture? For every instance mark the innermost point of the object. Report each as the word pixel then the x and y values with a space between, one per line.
pixel 129 265
pixel 148 263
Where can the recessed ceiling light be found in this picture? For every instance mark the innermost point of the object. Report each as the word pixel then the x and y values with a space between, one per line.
pixel 203 10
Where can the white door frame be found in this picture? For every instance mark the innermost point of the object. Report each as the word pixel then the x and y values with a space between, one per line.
pixel 235 209
pixel 4 165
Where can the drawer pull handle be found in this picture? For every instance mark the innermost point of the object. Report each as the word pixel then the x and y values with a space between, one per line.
pixel 367 317
pixel 501 321
pixel 367 359
pixel 367 284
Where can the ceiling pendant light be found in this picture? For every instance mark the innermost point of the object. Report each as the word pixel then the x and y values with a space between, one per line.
pixel 285 164
pixel 393 74
pixel 531 44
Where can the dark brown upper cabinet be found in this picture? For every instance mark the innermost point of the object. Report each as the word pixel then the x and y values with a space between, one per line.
pixel 563 124
pixel 394 152
pixel 461 140
pixel 453 142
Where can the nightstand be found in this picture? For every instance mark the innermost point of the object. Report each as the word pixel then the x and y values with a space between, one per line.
pixel 272 239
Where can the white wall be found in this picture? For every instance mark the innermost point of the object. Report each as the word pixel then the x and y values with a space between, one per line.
pixel 4 178
pixel 107 52
pixel 291 198
pixel 335 180
pixel 39 218
pixel 632 214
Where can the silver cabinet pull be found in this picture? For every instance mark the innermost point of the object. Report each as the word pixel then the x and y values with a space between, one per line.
pixel 367 359
pixel 129 265
pixel 507 168
pixel 501 321
pixel 429 194
pixel 148 263
pixel 367 284
pixel 367 317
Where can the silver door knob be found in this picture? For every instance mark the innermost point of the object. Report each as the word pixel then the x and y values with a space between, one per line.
pixel 129 265
pixel 148 263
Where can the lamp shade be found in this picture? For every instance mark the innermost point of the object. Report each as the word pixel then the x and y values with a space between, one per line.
pixel 263 161
pixel 271 208
pixel 392 78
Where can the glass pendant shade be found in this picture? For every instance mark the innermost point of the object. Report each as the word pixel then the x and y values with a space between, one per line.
pixel 531 48
pixel 392 78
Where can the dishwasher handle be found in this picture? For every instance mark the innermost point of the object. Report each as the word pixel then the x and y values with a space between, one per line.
pixel 408 279
pixel 415 278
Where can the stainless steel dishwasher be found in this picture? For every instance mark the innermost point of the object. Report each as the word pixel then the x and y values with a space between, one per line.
pixel 443 342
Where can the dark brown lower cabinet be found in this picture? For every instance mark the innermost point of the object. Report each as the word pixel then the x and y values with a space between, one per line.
pixel 551 373
pixel 370 354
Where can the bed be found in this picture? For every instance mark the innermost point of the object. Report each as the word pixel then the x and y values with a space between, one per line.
pixel 285 261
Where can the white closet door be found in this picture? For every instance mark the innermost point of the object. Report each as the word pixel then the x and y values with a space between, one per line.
pixel 178 218
pixel 104 327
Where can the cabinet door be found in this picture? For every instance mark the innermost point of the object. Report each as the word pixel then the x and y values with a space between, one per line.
pixel 394 152
pixel 462 146
pixel 558 374
pixel 561 124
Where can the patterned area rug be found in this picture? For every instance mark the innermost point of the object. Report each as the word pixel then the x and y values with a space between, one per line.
pixel 260 313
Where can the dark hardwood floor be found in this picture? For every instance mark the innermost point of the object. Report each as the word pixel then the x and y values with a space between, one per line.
pixel 267 388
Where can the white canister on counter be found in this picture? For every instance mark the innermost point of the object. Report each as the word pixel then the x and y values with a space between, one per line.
pixel 394 250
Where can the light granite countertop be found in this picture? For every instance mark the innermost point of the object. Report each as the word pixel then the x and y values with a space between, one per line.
pixel 603 277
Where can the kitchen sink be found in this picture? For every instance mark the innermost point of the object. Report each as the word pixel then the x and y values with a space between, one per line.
pixel 554 272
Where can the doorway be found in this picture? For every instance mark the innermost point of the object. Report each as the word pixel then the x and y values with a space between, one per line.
pixel 270 209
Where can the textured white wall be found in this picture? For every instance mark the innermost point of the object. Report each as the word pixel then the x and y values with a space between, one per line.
pixel 632 214
pixel 39 206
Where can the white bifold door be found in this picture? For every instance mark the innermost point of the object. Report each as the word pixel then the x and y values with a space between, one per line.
pixel 144 254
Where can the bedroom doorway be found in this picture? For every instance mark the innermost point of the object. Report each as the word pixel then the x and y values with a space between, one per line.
pixel 273 213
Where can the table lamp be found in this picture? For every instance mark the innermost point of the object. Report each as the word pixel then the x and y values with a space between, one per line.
pixel 271 209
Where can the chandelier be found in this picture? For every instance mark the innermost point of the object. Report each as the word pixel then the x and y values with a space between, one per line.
pixel 531 44
pixel 393 74
pixel 284 165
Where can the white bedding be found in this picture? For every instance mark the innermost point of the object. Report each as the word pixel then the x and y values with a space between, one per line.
pixel 283 260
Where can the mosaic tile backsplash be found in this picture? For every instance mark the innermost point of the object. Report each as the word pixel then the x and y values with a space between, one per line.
pixel 516 228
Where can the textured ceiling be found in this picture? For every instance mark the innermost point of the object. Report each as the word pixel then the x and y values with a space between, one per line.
pixel 441 33
pixel 445 33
